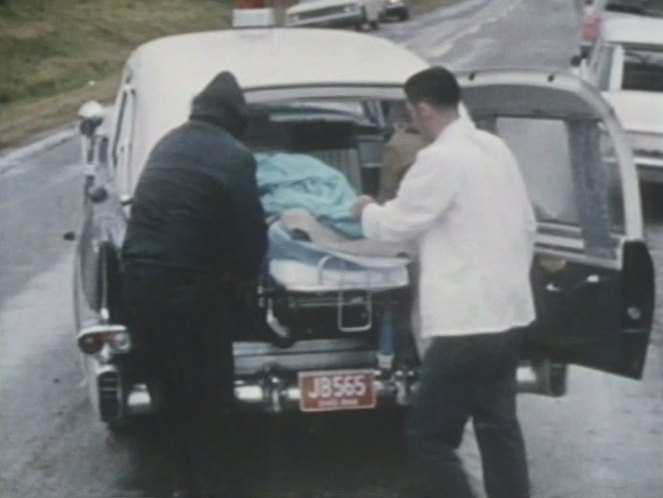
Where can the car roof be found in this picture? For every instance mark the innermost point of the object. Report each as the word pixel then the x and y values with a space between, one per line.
pixel 634 30
pixel 165 74
pixel 275 57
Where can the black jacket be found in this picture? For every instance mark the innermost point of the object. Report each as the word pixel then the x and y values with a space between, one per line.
pixel 196 205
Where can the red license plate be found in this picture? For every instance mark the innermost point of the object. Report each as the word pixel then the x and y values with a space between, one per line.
pixel 336 390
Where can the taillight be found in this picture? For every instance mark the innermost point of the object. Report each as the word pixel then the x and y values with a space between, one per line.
pixel 92 340
pixel 120 341
pixel 91 343
pixel 591 28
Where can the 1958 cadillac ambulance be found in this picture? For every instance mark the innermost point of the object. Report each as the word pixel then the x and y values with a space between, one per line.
pixel 329 94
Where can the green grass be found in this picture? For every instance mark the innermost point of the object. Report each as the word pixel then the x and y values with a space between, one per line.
pixel 50 46
pixel 55 54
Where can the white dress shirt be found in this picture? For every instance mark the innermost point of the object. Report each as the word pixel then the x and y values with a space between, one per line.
pixel 465 205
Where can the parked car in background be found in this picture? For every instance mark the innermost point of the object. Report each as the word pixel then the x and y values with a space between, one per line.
pixel 317 349
pixel 397 8
pixel 597 12
pixel 356 14
pixel 627 66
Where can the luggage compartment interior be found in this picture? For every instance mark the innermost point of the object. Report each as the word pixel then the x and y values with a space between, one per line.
pixel 352 143
pixel 351 140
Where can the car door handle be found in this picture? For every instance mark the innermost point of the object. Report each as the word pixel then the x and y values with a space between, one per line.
pixel 590 280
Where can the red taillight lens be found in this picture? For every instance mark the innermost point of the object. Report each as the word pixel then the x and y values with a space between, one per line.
pixel 91 340
pixel 91 343
pixel 591 28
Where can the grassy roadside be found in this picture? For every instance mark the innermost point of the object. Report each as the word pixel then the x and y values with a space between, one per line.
pixel 57 54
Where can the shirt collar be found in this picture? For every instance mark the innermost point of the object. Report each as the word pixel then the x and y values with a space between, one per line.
pixel 459 126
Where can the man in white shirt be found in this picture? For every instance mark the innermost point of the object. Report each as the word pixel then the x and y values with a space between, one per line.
pixel 465 205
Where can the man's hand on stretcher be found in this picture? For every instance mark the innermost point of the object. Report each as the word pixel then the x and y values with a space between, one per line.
pixel 360 205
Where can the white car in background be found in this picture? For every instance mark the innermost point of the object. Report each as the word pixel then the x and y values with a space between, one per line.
pixel 627 66
pixel 597 12
pixel 336 13
pixel 397 8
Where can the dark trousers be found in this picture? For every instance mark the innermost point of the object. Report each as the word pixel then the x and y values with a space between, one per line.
pixel 465 377
pixel 182 326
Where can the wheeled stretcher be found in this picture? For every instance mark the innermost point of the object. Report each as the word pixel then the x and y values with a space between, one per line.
pixel 314 292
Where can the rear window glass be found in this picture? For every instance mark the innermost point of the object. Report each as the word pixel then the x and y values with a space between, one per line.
pixel 346 134
pixel 643 69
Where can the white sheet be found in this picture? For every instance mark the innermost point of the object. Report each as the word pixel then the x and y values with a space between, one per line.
pixel 302 277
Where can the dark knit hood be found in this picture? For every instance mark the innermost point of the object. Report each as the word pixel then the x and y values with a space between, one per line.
pixel 222 104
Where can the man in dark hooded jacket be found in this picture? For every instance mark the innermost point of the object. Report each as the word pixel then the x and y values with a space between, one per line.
pixel 196 232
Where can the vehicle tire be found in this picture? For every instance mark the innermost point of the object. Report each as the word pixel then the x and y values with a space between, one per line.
pixel 373 25
pixel 404 16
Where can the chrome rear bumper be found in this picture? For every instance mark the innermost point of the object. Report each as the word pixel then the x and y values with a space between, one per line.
pixel 277 392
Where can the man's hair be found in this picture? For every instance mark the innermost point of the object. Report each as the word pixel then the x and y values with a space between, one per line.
pixel 436 86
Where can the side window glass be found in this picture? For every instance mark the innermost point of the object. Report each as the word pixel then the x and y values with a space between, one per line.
pixel 615 195
pixel 542 150
pixel 572 176
pixel 643 70
pixel 120 126
pixel 121 147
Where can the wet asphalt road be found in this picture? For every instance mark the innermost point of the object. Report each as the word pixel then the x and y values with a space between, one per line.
pixel 604 439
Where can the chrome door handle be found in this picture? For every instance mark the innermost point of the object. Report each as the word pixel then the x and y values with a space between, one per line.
pixel 590 280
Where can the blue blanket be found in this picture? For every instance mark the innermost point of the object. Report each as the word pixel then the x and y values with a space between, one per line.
pixel 288 181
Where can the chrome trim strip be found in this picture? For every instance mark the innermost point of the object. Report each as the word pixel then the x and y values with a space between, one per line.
pixel 257 95
pixel 573 249
pixel 95 329
pixel 349 344
pixel 566 242
pixel 580 258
